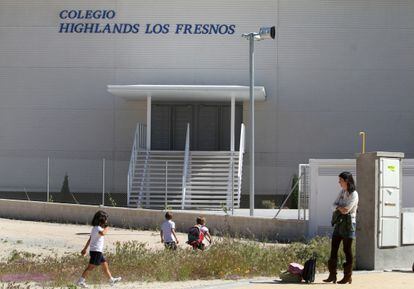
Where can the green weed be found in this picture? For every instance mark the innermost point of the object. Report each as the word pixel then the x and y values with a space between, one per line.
pixel 225 259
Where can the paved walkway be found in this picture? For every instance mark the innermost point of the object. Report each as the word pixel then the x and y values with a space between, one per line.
pixel 289 214
pixel 361 280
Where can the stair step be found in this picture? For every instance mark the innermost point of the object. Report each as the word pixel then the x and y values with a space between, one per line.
pixel 158 187
pixel 219 202
pixel 159 192
pixel 210 169
pixel 169 197
pixel 203 153
pixel 207 198
pixel 159 165
pixel 207 193
pixel 208 179
pixel 160 199
pixel 217 161
pixel 203 188
pixel 207 182
pixel 206 174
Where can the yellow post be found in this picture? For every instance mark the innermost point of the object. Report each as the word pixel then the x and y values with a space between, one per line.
pixel 363 135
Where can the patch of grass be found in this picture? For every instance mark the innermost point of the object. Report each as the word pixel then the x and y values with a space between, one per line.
pixel 225 259
pixel 12 285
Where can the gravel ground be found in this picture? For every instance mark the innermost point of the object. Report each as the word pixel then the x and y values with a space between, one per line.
pixel 57 239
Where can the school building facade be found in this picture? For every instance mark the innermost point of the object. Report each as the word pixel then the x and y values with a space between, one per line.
pixel 76 77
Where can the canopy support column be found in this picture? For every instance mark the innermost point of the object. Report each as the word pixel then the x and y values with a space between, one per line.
pixel 149 123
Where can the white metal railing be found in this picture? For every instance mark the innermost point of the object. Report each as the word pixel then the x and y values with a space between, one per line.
pixel 240 168
pixel 303 191
pixel 143 146
pixel 138 145
pixel 185 167
pixel 230 183
pixel 186 179
pixel 160 186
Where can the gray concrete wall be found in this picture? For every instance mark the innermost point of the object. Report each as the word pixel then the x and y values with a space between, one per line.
pixel 337 67
pixel 255 228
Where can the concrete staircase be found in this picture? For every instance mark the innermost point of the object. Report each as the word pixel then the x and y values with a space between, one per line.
pixel 210 185
pixel 184 179
pixel 158 181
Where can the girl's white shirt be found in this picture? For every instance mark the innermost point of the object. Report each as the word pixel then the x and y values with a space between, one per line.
pixel 97 240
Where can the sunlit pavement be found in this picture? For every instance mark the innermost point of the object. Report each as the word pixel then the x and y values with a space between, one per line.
pixel 403 279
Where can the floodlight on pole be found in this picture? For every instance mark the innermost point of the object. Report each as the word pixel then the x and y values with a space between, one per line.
pixel 263 34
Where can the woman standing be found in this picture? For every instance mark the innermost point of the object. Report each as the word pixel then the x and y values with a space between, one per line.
pixel 344 222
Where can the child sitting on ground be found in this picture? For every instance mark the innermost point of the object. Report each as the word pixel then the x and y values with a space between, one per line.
pixel 96 242
pixel 167 233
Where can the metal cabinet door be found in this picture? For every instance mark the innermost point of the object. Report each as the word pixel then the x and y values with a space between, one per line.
pixel 390 173
pixel 390 202
pixel 389 232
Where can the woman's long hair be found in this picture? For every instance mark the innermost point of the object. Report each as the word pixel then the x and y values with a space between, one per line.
pixel 349 179
pixel 100 218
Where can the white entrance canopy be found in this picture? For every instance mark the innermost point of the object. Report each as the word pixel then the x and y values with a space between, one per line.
pixel 187 92
pixel 149 93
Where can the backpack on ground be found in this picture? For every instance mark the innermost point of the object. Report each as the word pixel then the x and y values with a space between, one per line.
pixel 195 237
pixel 309 270
pixel 288 277
pixel 296 269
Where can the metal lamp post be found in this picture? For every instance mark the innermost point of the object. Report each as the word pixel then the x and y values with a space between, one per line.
pixel 263 34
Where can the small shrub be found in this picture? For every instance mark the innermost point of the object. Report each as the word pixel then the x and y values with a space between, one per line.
pixel 268 204
pixel 295 194
pixel 13 285
pixel 224 208
pixel 112 200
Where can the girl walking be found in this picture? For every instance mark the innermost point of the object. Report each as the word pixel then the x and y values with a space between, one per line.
pixel 96 243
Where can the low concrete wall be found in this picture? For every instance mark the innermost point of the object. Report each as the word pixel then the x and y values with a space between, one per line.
pixel 257 228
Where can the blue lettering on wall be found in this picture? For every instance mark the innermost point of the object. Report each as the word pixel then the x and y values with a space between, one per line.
pixel 87 14
pixel 72 21
pixel 157 28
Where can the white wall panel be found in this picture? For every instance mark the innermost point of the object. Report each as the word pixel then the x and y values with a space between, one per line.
pixel 43 13
pixel 332 90
pixel 45 47
pixel 346 49
pixel 359 14
pixel 62 88
pixel 56 130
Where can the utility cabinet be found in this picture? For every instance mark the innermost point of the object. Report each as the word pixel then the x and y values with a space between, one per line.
pixel 380 240
pixel 389 190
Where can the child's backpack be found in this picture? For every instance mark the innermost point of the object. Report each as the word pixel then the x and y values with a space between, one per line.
pixel 309 269
pixel 195 237
pixel 296 269
pixel 288 277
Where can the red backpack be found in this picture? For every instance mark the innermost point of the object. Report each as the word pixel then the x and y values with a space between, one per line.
pixel 195 237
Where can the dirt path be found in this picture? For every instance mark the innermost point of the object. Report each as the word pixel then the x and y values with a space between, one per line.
pixel 57 239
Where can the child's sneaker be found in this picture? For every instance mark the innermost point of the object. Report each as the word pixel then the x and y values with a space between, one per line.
pixel 81 283
pixel 115 280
